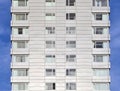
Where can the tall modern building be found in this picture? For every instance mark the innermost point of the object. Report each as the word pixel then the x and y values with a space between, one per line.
pixel 60 45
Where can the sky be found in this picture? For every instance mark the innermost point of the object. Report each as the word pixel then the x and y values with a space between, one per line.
pixel 5 45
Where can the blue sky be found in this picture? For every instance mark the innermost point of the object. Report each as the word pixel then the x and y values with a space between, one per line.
pixel 5 45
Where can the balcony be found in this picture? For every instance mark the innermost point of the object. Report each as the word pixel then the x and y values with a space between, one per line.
pixel 101 79
pixel 100 23
pixel 20 79
pixel 101 51
pixel 20 37
pixel 101 9
pixel 19 51
pixel 101 64
pixel 20 9
pixel 19 65
pixel 20 23
pixel 101 37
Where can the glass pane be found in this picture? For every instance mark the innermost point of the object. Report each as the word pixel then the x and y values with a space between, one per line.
pixel 98 16
pixel 21 3
pixel 104 3
pixel 21 16
pixel 20 58
pixel 50 58
pixel 71 86
pixel 21 44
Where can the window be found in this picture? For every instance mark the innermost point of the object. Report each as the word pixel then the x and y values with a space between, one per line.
pixel 50 16
pixel 50 2
pixel 101 16
pixel 70 86
pixel 50 72
pixel 100 3
pixel 70 58
pixel 101 86
pixel 70 30
pixel 98 58
pixel 70 72
pixel 101 72
pixel 22 16
pixel 19 72
pixel 50 44
pixel 50 86
pixel 98 44
pixel 50 58
pixel 19 31
pixel 101 30
pixel 101 58
pixel 50 30
pixel 71 44
pixel 98 16
pixel 20 58
pixel 19 86
pixel 101 44
pixel 98 30
pixel 70 2
pixel 70 16
pixel 21 44
pixel 20 3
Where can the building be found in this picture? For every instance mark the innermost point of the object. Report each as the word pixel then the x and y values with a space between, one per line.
pixel 60 45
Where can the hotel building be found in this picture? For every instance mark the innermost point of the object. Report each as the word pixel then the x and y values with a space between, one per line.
pixel 60 45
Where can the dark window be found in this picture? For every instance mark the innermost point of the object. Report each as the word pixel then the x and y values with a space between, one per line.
pixel 100 3
pixel 50 86
pixel 70 72
pixel 20 31
pixel 98 45
pixel 98 16
pixel 70 16
pixel 98 31
pixel 70 2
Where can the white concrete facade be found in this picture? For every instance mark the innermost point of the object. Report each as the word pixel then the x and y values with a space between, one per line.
pixel 40 41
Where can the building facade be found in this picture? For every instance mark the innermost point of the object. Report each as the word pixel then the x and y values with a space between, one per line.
pixel 60 45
